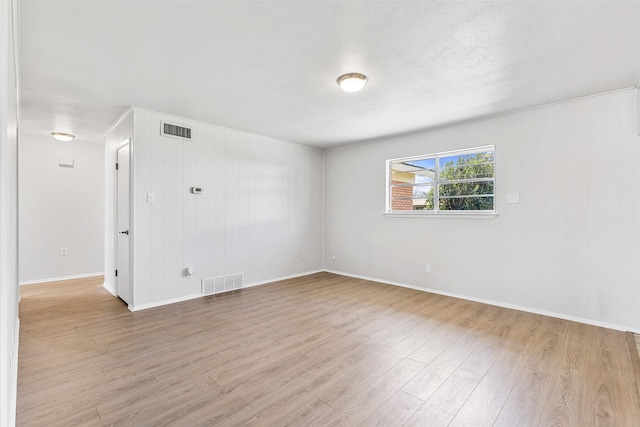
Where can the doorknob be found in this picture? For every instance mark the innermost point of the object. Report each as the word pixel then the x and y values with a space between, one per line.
pixel 125 232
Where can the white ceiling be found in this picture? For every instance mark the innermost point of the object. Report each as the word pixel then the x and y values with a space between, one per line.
pixel 270 67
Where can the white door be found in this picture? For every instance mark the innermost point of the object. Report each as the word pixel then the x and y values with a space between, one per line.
pixel 123 282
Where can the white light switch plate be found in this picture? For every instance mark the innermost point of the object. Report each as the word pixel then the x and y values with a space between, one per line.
pixel 65 162
pixel 513 198
pixel 151 198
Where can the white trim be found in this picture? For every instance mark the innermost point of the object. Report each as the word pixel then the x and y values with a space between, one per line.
pixel 462 214
pixel 470 150
pixel 109 289
pixel 638 104
pixel 277 279
pixel 13 403
pixel 194 296
pixel 122 145
pixel 9 253
pixel 131 172
pixel 15 27
pixel 494 303
pixel 117 122
pixel 164 302
pixel 133 212
pixel 324 202
pixel 61 278
pixel 437 184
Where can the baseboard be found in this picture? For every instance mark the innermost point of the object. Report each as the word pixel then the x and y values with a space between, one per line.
pixel 13 398
pixel 494 303
pixel 58 279
pixel 109 289
pixel 194 296
pixel 277 279
pixel 163 302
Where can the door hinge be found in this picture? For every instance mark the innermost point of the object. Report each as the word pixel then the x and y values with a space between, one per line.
pixel 116 273
pixel 116 166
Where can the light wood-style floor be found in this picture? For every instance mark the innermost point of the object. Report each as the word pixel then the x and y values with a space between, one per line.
pixel 321 350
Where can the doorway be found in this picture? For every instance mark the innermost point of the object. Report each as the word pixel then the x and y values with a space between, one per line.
pixel 123 281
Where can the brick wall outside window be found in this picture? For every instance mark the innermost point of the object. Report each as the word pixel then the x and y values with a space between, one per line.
pixel 396 192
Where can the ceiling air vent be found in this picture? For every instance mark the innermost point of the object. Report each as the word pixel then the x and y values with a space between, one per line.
pixel 176 131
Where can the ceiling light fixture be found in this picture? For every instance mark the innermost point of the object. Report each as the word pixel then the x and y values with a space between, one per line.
pixel 352 82
pixel 62 136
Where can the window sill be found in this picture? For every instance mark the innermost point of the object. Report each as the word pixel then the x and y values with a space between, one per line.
pixel 467 215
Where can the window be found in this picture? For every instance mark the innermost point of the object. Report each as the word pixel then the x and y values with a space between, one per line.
pixel 455 181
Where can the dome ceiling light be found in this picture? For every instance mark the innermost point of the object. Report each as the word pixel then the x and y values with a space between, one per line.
pixel 352 82
pixel 63 136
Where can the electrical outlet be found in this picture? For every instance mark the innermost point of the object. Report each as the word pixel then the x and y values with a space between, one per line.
pixel 333 258
pixel 302 251
pixel 63 251
pixel 427 268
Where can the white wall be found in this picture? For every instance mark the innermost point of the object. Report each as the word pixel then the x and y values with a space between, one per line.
pixel 9 322
pixel 60 207
pixel 571 247
pixel 262 203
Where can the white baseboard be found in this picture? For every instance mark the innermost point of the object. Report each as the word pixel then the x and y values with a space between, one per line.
pixel 194 296
pixel 495 303
pixel 109 289
pixel 58 279
pixel 277 279
pixel 163 302
pixel 13 397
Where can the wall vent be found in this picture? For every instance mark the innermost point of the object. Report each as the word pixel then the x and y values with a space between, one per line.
pixel 220 284
pixel 175 131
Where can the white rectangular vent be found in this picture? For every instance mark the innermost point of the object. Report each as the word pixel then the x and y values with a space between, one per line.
pixel 176 131
pixel 217 285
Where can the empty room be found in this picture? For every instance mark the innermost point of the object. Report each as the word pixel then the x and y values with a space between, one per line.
pixel 320 213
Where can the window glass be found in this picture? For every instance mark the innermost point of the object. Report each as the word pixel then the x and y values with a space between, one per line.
pixel 454 181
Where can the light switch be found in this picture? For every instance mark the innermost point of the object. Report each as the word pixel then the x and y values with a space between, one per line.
pixel 513 198
pixel 65 162
pixel 151 198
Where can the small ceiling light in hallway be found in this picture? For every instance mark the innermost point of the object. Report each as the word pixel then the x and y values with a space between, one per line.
pixel 62 136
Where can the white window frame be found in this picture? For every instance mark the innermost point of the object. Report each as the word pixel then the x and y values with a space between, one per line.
pixel 436 212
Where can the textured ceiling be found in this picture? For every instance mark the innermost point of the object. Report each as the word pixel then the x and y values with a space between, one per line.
pixel 270 67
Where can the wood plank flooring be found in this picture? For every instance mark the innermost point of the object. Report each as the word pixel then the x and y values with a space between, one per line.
pixel 321 350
